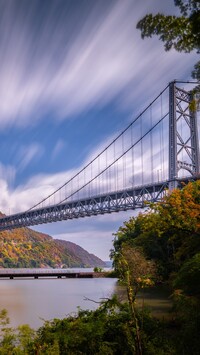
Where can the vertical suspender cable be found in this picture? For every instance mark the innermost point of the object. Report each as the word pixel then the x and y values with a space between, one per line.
pixel 151 144
pixel 125 156
pixel 115 175
pixel 91 179
pixel 68 182
pixel 141 147
pixel 123 170
pixel 132 155
pixel 162 142
pixel 72 187
pixel 78 186
pixel 106 174
pixel 98 185
pixel 84 180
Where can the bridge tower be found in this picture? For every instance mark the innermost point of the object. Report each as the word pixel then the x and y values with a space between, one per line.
pixel 183 134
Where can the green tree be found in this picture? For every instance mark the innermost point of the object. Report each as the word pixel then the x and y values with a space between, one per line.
pixel 168 233
pixel 187 310
pixel 105 331
pixel 180 223
pixel 179 32
pixel 7 336
pixel 188 276
pixel 137 272
pixel 98 269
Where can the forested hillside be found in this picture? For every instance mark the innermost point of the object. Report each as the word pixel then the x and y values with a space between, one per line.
pixel 24 247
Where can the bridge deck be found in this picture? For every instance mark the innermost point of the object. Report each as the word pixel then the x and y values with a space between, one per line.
pixel 106 203
pixel 132 198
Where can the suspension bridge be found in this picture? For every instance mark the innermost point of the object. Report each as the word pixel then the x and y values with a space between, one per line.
pixel 157 152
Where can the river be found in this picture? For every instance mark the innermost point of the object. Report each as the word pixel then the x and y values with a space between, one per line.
pixel 30 301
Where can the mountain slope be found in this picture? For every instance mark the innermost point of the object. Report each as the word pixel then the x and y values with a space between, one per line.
pixel 80 253
pixel 24 247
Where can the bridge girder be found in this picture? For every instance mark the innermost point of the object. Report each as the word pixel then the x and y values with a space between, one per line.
pixel 130 199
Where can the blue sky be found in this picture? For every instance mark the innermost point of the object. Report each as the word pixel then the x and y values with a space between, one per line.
pixel 73 74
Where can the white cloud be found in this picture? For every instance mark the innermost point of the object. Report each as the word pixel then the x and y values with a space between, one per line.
pixel 58 148
pixel 104 58
pixel 7 173
pixel 28 153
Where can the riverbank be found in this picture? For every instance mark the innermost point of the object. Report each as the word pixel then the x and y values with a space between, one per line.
pixel 157 300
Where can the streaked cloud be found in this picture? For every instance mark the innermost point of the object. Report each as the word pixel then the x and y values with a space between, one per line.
pixel 47 70
pixel 7 175
pixel 60 144
pixel 28 153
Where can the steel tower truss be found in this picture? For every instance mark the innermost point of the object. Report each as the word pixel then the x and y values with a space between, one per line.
pixel 183 135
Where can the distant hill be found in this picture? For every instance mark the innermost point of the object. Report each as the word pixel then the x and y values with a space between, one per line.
pixel 24 247
pixel 108 263
pixel 80 253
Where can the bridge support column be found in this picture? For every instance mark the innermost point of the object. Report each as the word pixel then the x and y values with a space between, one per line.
pixel 172 138
pixel 183 135
pixel 194 138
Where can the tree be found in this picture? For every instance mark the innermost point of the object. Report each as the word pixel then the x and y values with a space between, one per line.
pixel 188 277
pixel 179 32
pixel 98 269
pixel 168 233
pixel 137 272
pixel 180 222
pixel 135 269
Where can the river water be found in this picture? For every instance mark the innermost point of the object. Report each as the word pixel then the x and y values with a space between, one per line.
pixel 31 301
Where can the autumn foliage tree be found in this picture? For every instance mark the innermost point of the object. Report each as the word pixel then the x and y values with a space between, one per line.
pixel 167 235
